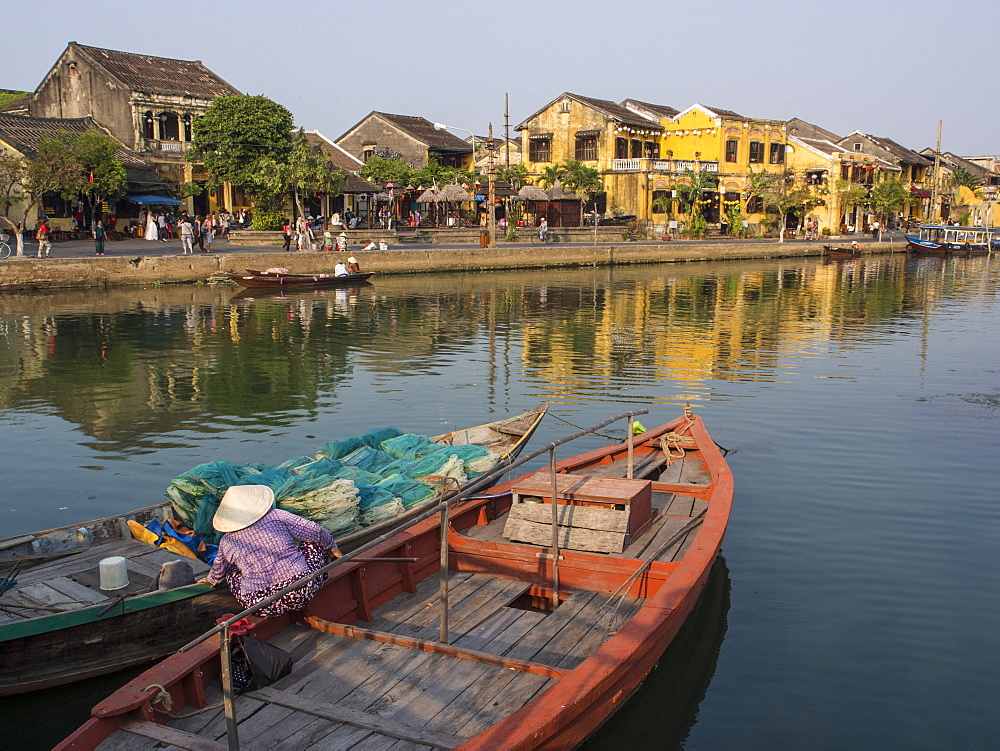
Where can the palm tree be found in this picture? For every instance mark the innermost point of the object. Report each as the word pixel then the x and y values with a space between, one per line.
pixel 551 173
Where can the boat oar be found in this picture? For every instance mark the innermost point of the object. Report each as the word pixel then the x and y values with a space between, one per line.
pixel 9 581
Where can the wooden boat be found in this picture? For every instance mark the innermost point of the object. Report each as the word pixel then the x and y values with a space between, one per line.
pixel 941 238
pixel 835 251
pixel 280 280
pixel 540 639
pixel 57 626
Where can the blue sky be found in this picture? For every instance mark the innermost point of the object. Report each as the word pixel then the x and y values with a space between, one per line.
pixel 888 68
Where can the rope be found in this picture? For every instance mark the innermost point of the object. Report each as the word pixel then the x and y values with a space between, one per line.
pixel 674 439
pixel 163 697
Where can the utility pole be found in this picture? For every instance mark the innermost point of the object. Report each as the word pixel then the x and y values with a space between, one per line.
pixel 934 182
pixel 506 130
pixel 491 219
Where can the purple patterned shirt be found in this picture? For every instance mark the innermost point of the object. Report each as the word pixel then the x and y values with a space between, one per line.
pixel 265 552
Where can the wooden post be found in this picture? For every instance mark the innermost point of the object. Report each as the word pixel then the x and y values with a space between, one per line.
pixel 555 529
pixel 631 447
pixel 225 655
pixel 444 573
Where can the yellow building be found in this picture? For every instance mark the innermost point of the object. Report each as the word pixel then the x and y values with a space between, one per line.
pixel 620 142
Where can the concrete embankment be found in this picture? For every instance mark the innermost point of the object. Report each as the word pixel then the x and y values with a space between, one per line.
pixel 31 273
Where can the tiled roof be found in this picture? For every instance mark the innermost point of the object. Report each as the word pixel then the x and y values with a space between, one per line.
pixel 659 110
pixel 615 111
pixel 160 75
pixel 801 128
pixel 726 113
pixel 901 152
pixel 424 131
pixel 23 133
pixel 334 153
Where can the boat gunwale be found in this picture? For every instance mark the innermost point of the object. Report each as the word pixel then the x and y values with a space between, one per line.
pixel 632 650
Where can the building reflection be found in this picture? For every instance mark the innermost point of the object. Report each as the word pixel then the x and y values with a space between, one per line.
pixel 129 365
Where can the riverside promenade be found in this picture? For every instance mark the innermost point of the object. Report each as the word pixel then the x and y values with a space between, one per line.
pixel 143 262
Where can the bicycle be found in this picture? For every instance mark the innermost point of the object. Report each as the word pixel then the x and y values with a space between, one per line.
pixel 537 238
pixel 4 249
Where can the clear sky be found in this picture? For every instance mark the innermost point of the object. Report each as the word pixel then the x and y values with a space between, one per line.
pixel 886 67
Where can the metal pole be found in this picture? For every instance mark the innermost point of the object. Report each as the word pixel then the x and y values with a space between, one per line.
pixel 555 528
pixel 232 733
pixel 443 584
pixel 631 448
pixel 491 219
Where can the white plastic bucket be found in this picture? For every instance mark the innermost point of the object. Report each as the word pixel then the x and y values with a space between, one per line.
pixel 114 575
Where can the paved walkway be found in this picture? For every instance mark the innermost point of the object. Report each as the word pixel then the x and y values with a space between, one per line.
pixel 132 247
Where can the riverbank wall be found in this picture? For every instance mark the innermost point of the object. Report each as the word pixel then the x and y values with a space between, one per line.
pixel 107 271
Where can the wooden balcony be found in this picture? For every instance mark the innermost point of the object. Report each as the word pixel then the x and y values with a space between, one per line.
pixel 662 165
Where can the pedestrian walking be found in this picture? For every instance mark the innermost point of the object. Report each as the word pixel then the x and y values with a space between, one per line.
pixel 98 238
pixel 286 234
pixel 875 228
pixel 187 238
pixel 42 235
pixel 207 234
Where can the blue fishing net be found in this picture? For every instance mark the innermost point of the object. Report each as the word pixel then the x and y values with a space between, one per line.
pixel 339 449
pixel 366 458
pixel 408 490
pixel 376 436
pixel 409 446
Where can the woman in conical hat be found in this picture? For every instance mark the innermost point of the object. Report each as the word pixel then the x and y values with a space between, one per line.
pixel 257 554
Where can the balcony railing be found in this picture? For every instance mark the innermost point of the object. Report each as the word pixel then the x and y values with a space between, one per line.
pixel 153 144
pixel 662 165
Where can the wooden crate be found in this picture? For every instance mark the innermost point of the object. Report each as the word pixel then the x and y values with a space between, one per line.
pixel 596 514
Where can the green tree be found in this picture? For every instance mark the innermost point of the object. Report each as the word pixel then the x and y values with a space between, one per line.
pixel 889 196
pixel 305 172
pixel 515 174
pixel 584 181
pixel 24 180
pixel 239 138
pixel 961 177
pixel 383 171
pixel 551 173
pixel 103 175
pixel 691 198
pixel 782 195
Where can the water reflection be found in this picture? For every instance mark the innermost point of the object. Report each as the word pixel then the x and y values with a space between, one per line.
pixel 128 366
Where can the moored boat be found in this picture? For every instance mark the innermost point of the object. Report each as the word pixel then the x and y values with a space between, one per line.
pixel 58 626
pixel 943 238
pixel 836 251
pixel 530 614
pixel 282 278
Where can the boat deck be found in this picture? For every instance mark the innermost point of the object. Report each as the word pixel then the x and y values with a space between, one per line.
pixel 73 581
pixel 351 692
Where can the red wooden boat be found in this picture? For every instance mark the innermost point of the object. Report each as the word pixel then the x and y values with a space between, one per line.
pixel 537 638
pixel 838 251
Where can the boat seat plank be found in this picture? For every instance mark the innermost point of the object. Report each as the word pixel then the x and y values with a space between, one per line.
pixel 121 740
pixel 172 736
pixel 43 594
pixel 499 631
pixel 491 532
pixel 337 713
pixel 79 562
pixel 641 466
pixel 686 472
pixel 83 595
pixel 158 556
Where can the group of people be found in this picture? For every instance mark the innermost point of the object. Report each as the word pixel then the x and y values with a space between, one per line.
pixel 165 226
pixel 200 232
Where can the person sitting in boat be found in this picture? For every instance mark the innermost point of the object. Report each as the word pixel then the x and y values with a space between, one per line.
pixel 257 554
pixel 352 265
pixel 856 246
pixel 340 269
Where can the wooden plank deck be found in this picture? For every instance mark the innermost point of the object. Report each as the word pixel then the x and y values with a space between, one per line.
pixel 74 582
pixel 351 693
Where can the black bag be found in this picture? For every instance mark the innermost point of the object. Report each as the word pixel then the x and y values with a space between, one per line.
pixel 257 663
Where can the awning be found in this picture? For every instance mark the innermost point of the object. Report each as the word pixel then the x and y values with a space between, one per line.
pixel 920 193
pixel 154 200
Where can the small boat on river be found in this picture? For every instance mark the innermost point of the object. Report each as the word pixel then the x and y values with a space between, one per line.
pixel 57 626
pixel 941 239
pixel 282 279
pixel 518 618
pixel 838 251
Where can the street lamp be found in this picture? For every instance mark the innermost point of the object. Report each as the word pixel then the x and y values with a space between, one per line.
pixel 491 225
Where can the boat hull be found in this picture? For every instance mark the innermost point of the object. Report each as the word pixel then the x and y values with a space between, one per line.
pixel 62 648
pixel 578 699
pixel 253 279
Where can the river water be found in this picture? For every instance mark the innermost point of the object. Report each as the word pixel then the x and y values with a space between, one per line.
pixel 856 604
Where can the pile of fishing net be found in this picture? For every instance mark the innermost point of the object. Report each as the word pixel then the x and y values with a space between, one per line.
pixel 351 483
